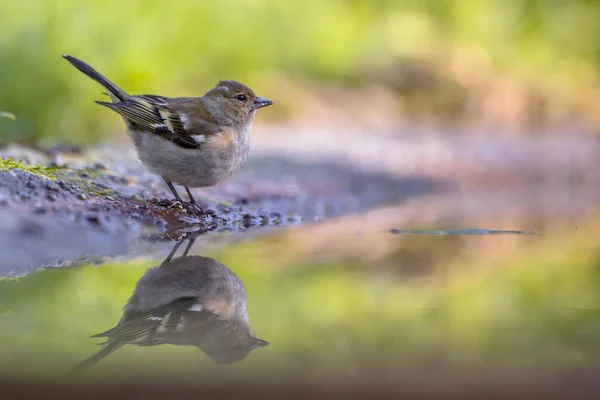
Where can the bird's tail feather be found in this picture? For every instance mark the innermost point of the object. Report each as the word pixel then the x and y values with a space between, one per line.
pixel 104 352
pixel 119 93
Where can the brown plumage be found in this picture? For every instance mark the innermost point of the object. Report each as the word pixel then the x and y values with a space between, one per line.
pixel 190 141
pixel 186 301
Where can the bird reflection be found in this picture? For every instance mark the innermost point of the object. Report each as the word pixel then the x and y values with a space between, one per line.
pixel 186 301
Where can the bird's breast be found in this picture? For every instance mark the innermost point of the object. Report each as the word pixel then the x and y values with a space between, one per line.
pixel 230 147
pixel 220 156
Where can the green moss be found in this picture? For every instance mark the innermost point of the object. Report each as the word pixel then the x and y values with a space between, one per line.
pixel 98 192
pixel 8 164
pixel 83 178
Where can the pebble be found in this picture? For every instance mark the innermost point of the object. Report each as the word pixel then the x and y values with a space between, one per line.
pixel 211 213
pixel 224 208
pixel 176 206
pixel 264 220
pixel 51 197
pixel 249 220
pixel 50 185
pixel 94 219
pixel 81 196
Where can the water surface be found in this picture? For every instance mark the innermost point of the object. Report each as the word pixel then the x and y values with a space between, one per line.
pixel 425 283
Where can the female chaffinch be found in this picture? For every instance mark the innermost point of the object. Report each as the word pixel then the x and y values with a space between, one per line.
pixel 189 141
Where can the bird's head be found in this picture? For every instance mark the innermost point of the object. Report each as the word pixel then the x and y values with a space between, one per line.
pixel 233 103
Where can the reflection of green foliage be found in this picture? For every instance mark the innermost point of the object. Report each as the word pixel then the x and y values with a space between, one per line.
pixel 541 307
pixel 4 114
pixel 186 49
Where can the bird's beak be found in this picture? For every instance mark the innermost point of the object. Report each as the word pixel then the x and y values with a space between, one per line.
pixel 260 102
pixel 258 343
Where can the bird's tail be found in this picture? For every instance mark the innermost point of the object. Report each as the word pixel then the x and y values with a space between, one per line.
pixel 116 93
pixel 104 352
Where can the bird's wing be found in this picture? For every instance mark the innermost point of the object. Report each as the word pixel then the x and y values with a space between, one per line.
pixel 142 328
pixel 161 116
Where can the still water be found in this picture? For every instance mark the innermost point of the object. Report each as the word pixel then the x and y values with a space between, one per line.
pixel 511 282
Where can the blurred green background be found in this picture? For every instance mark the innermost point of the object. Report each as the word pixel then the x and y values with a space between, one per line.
pixel 395 299
pixel 439 57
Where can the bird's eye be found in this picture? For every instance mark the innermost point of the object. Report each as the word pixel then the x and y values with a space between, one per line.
pixel 241 97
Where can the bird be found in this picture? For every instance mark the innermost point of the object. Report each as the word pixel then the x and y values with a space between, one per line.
pixel 188 141
pixel 186 301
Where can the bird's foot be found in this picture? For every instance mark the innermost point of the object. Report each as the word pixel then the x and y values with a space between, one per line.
pixel 194 208
pixel 191 208
pixel 170 204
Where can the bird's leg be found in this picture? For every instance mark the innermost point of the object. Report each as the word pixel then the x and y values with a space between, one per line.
pixel 189 246
pixel 189 193
pixel 170 185
pixel 172 253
